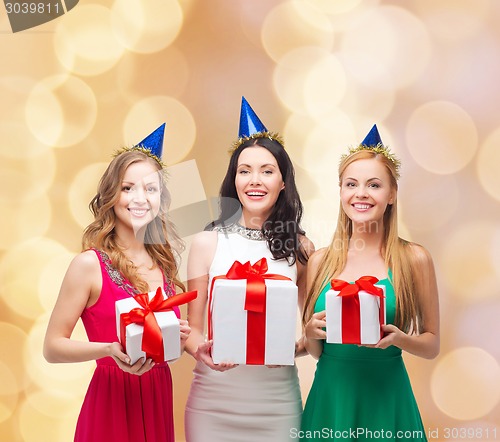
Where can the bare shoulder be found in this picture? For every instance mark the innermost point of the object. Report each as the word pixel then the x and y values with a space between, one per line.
pixel 317 257
pixel 84 274
pixel 204 240
pixel 307 245
pixel 202 252
pixel 86 261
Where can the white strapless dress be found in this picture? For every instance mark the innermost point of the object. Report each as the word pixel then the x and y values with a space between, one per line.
pixel 247 403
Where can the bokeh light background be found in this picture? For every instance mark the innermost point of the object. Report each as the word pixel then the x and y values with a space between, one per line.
pixel 319 71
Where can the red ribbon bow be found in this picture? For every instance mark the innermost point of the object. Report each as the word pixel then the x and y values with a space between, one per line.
pixel 255 305
pixel 351 321
pixel 152 339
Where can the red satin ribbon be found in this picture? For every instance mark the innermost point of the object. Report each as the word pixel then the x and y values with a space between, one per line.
pixel 351 315
pixel 152 339
pixel 255 305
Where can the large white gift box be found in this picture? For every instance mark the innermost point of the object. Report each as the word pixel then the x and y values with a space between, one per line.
pixel 131 335
pixel 356 317
pixel 229 322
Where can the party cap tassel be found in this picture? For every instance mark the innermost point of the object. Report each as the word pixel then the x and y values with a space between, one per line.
pixel 373 138
pixel 249 121
pixel 154 141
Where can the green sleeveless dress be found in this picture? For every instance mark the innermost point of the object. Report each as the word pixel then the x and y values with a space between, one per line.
pixel 361 393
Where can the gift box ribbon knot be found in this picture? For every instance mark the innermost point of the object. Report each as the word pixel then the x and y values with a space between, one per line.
pixel 351 319
pixel 255 305
pixel 152 339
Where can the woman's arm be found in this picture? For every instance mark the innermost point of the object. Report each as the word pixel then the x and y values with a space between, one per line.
pixel 308 248
pixel 80 288
pixel 201 255
pixel 313 331
pixel 425 344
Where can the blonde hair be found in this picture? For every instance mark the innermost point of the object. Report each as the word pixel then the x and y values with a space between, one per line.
pixel 161 241
pixel 395 251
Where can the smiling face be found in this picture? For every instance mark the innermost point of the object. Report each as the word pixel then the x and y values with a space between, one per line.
pixel 365 191
pixel 139 200
pixel 258 181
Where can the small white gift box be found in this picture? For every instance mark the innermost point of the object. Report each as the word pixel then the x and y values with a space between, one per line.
pixel 131 334
pixel 355 317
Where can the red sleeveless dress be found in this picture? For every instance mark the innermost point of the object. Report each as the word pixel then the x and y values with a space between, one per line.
pixel 120 406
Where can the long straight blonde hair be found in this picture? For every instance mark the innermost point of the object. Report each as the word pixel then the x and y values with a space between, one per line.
pixel 395 251
pixel 161 240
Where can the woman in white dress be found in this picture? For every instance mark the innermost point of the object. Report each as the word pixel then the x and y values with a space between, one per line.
pixel 260 217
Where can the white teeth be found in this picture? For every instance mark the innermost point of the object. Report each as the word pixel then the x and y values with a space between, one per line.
pixel 138 212
pixel 255 194
pixel 362 206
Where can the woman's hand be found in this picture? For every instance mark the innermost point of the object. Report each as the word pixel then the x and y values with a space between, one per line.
pixel 185 330
pixel 315 326
pixel 203 355
pixel 392 336
pixel 123 361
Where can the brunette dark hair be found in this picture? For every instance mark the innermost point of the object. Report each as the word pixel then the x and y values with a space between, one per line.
pixel 282 227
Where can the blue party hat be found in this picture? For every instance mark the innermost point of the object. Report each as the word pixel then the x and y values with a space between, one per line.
pixel 250 123
pixel 373 138
pixel 154 142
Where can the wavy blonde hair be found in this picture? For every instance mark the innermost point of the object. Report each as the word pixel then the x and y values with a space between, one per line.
pixel 395 251
pixel 161 240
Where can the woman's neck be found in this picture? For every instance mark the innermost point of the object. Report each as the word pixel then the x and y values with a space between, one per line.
pixel 130 241
pixel 251 221
pixel 367 236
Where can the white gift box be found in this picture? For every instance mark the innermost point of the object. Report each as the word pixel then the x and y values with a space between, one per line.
pixel 167 321
pixel 229 321
pixel 370 317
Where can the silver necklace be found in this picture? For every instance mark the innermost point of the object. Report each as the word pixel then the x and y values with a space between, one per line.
pixel 245 232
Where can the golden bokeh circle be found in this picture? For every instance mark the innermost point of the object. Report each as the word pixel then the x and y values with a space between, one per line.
pixel 54 404
pixel 180 131
pixel 441 137
pixel 437 194
pixel 303 25
pixel 295 132
pixel 84 42
pixel 61 110
pixel 18 291
pixel 333 8
pixel 48 377
pixel 26 180
pixel 487 163
pixel 362 99
pixel 138 77
pixel 465 383
pixel 324 86
pixel 146 27
pixel 454 21
pixel 386 47
pixel 467 262
pixel 81 191
pixel 495 251
pixel 51 277
pixel 11 357
pixel 33 423
pixel 9 392
pixel 467 332
pixel 292 80
pixel 326 143
pixel 19 225
pixel 17 141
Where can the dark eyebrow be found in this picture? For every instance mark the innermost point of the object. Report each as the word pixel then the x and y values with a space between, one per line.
pixel 263 165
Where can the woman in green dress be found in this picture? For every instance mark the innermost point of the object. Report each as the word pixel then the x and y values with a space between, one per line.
pixel 363 392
